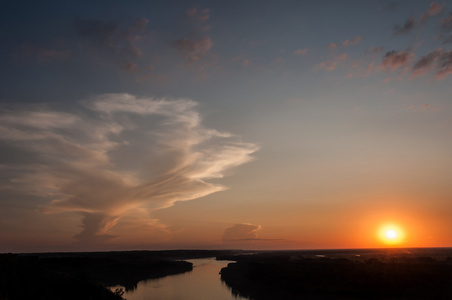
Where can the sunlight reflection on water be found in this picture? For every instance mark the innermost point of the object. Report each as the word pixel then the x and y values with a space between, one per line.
pixel 202 283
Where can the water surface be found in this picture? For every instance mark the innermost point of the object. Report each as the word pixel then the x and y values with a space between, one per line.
pixel 202 283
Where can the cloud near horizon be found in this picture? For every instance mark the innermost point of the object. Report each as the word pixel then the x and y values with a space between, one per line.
pixel 241 232
pixel 116 154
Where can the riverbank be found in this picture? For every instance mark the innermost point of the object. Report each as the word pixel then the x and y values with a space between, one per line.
pixel 86 275
pixel 33 277
pixel 290 275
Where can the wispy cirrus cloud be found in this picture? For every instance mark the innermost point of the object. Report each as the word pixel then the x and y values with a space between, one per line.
pixel 117 155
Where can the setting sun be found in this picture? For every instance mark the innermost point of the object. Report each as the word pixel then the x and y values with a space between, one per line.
pixel 391 234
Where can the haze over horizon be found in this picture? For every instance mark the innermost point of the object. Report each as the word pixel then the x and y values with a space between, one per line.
pixel 128 125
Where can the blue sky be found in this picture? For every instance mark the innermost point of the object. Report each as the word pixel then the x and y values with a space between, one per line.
pixel 286 123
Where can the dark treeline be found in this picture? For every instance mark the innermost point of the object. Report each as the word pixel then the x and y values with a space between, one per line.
pixel 85 275
pixel 140 255
pixel 33 278
pixel 289 275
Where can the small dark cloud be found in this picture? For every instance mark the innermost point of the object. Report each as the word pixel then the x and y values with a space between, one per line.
pixel 193 50
pixel 434 9
pixel 331 65
pixel 410 23
pixel 118 40
pixel 354 41
pixel 446 23
pixel 199 16
pixel 448 40
pixel 446 26
pixel 394 60
pixel 372 50
pixel 131 67
pixel 348 42
pixel 196 43
pixel 439 59
pixel 331 45
pixel 300 51
pixel 445 65
pixel 425 63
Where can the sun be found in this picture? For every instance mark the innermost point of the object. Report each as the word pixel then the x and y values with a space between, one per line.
pixel 391 234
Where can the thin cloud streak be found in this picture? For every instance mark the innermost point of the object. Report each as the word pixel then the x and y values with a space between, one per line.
pixel 119 154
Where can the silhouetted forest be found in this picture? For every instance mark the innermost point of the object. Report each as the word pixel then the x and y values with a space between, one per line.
pixel 85 275
pixel 290 275
pixel 79 277
pixel 34 278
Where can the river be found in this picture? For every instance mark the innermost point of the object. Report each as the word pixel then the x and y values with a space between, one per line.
pixel 202 283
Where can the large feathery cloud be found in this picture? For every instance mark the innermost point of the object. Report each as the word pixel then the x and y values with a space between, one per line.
pixel 117 154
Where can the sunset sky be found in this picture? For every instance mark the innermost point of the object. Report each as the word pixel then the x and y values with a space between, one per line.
pixel 224 124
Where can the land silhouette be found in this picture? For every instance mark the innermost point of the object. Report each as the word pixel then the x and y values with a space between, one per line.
pixel 87 275
pixel 331 275
pixel 305 274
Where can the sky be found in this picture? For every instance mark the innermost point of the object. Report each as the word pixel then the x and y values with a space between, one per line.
pixel 130 125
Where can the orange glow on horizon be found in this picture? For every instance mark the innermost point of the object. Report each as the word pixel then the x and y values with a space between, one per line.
pixel 391 234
